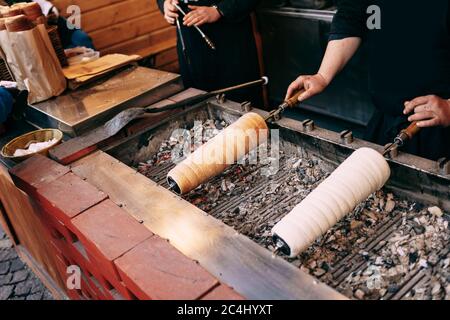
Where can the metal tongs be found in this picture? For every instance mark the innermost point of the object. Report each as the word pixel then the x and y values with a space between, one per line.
pixel 204 36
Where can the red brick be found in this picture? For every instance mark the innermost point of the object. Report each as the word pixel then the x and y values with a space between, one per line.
pixel 86 289
pixel 108 232
pixel 223 292
pixel 68 196
pixel 56 228
pixel 71 255
pixel 35 172
pixel 96 288
pixel 113 289
pixel 56 249
pixel 73 149
pixel 102 286
pixel 62 265
pixel 107 288
pixel 156 270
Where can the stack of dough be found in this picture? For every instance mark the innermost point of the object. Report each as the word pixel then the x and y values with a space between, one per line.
pixel 217 154
pixel 363 173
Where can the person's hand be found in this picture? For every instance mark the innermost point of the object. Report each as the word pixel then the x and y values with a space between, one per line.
pixel 170 12
pixel 429 111
pixel 201 15
pixel 313 84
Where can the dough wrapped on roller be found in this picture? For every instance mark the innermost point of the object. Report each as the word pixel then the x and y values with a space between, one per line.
pixel 217 154
pixel 363 173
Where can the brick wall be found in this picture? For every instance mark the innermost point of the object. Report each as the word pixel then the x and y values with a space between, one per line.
pixel 118 256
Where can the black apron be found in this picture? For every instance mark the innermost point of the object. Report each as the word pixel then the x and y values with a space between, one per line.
pixel 409 57
pixel 234 61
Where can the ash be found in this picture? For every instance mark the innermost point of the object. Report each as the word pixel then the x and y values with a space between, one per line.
pixel 387 248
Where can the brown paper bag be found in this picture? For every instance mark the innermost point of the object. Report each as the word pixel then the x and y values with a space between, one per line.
pixel 4 63
pixel 35 61
pixel 10 59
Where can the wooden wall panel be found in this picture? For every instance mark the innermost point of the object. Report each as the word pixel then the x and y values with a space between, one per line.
pixel 85 5
pixel 119 12
pixel 129 27
pixel 127 30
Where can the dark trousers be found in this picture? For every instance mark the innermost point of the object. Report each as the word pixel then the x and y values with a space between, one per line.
pixel 6 104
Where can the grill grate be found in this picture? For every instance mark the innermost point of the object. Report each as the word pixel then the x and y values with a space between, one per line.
pixel 264 218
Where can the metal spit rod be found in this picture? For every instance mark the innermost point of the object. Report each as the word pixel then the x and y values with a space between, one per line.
pixel 204 36
pixel 399 141
pixel 290 103
pixel 404 135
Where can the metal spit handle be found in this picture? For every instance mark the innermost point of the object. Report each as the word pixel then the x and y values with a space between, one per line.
pixel 204 36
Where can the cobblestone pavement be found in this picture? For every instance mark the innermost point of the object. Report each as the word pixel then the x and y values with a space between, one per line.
pixel 17 281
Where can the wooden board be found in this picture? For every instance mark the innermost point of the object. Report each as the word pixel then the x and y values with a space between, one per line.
pixel 232 258
pixel 127 30
pixel 116 13
pixel 86 71
pixel 147 45
pixel 85 5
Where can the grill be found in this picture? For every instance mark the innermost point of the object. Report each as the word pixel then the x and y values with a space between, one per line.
pixel 348 252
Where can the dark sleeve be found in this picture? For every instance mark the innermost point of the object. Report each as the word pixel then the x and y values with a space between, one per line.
pixel 350 20
pixel 448 20
pixel 161 5
pixel 237 9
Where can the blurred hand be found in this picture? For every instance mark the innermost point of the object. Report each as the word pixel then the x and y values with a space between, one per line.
pixel 201 15
pixel 170 12
pixel 429 111
pixel 313 84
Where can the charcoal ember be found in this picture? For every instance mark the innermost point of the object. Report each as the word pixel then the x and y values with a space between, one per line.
pixel 436 211
pixel 374 250
pixel 359 294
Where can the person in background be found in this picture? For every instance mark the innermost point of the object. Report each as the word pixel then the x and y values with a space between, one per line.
pixel 70 37
pixel 228 24
pixel 12 103
pixel 6 105
pixel 409 68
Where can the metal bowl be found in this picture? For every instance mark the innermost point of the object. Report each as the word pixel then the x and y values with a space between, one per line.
pixel 24 141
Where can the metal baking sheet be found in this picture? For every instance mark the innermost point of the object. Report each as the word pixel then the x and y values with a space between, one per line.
pixel 78 111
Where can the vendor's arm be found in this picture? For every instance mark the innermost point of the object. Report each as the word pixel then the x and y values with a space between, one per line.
pixel 347 30
pixel 429 111
pixel 338 53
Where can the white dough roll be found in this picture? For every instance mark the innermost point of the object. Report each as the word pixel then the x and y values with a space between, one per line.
pixel 220 152
pixel 363 173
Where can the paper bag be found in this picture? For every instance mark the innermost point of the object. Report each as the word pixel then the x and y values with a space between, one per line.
pixel 10 59
pixel 5 71
pixel 35 61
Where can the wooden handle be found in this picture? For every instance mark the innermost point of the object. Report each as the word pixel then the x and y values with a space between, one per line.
pixel 412 130
pixel 293 101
